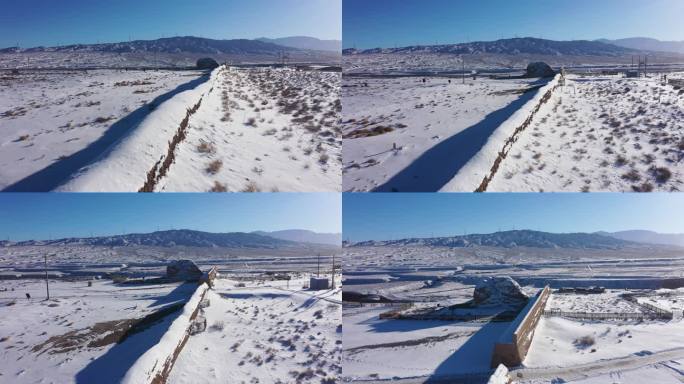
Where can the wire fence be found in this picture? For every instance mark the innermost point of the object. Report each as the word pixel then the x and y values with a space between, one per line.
pixel 607 315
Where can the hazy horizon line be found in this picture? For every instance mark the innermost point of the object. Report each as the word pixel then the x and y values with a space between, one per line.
pixel 125 233
pixel 130 40
pixel 437 43
pixel 426 237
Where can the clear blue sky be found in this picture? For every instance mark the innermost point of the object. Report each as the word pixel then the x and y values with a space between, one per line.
pixel 55 215
pixel 389 23
pixel 394 216
pixel 59 22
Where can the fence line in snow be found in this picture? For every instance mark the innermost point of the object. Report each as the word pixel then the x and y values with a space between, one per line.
pixel 604 315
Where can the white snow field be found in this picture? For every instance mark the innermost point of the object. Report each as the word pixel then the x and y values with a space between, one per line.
pixel 53 122
pixel 623 352
pixel 246 129
pixel 595 133
pixel 418 351
pixel 72 337
pixel 263 130
pixel 403 134
pixel 238 129
pixel 601 133
pixel 377 349
pixel 265 332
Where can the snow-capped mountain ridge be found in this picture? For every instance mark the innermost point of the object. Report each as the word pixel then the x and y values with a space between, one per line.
pixel 514 46
pixel 179 44
pixel 305 236
pixel 511 239
pixel 171 238
pixel 647 44
pixel 306 42
pixel 650 237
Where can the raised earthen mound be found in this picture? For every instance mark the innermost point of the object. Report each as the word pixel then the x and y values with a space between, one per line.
pixel 499 290
pixel 539 69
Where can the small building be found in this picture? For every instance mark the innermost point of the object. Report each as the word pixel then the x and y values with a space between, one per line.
pixel 632 74
pixel 319 283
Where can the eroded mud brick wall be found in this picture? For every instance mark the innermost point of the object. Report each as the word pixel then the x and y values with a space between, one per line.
pixel 523 335
pixel 512 354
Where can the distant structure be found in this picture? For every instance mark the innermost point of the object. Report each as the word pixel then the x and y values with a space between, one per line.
pixel 319 283
pixel 183 270
pixel 539 69
pixel 207 63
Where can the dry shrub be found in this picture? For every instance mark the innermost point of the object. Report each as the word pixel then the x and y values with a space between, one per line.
pixel 214 167
pixel 218 187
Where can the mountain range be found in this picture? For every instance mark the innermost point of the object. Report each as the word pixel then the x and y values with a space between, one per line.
pixel 649 237
pixel 519 238
pixel 647 44
pixel 524 45
pixel 182 237
pixel 191 44
pixel 536 46
pixel 305 42
pixel 304 236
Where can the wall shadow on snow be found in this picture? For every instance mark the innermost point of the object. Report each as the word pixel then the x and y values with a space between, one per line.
pixel 473 356
pixel 439 164
pixel 111 367
pixel 182 292
pixel 58 172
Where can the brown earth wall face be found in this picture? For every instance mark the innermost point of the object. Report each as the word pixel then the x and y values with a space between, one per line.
pixel 514 353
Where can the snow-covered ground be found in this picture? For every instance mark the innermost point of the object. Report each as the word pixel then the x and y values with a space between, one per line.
pixel 412 351
pixel 71 338
pixel 622 352
pixel 607 302
pixel 263 130
pixel 83 260
pixel 601 133
pixel 403 134
pixel 522 261
pixel 382 63
pixel 257 129
pixel 61 119
pixel 385 349
pixel 271 332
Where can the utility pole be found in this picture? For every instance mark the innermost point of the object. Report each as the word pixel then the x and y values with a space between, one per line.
pixel 318 273
pixel 47 285
pixel 463 62
pixel 333 272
